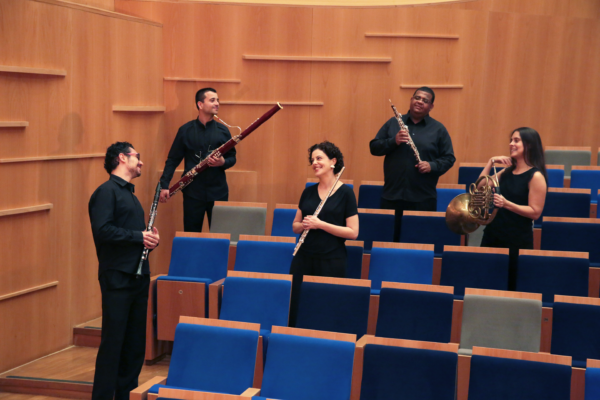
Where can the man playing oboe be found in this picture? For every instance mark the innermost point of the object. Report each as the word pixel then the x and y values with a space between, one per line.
pixel 409 184
pixel 118 227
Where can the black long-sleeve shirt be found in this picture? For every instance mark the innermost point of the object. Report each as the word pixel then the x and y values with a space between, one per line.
pixel 117 219
pixel 402 180
pixel 194 142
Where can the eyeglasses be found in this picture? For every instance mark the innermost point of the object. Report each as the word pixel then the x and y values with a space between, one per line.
pixel 137 155
pixel 423 99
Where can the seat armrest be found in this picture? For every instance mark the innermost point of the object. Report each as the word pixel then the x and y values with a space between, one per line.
pixel 250 392
pixel 141 392
pixel 215 291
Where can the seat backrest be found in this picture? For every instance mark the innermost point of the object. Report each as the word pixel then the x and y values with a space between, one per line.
pixel 193 257
pixel 283 218
pixel 572 234
pixel 428 228
pixel 511 322
pixel 375 226
pixel 355 251
pixel 334 304
pixel 258 300
pixel 415 312
pixel 274 257
pixel 586 178
pixel 568 156
pixel 238 218
pixel 469 173
pixel 314 181
pixel 474 267
pixel 369 194
pixel 575 327
pixel 553 272
pixel 592 380
pixel 213 358
pixel 397 371
pixel 401 262
pixel 571 203
pixel 556 175
pixel 445 194
pixel 301 367
pixel 522 376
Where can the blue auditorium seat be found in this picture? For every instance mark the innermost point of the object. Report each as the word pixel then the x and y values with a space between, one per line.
pixel 396 372
pixel 586 179
pixel 569 203
pixel 575 329
pixel 541 272
pixel 469 173
pixel 402 263
pixel 355 251
pixel 301 368
pixel 375 226
pixel 335 307
pixel 414 314
pixel 264 256
pixel 479 268
pixel 592 380
pixel 369 196
pixel 445 196
pixel 495 378
pixel 428 228
pixel 556 177
pixel 572 234
pixel 351 185
pixel 283 219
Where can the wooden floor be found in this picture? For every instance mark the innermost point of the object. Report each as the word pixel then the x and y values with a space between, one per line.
pixel 72 364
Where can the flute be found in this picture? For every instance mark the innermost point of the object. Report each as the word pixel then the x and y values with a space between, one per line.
pixel 403 126
pixel 317 211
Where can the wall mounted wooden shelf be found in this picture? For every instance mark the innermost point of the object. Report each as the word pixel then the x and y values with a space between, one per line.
pixel 139 108
pixel 14 124
pixel 215 80
pixel 318 59
pixel 410 36
pixel 34 71
pixel 24 210
pixel 272 103
pixel 29 290
pixel 51 158
pixel 404 86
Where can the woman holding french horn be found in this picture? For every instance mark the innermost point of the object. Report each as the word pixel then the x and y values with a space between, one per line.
pixel 523 186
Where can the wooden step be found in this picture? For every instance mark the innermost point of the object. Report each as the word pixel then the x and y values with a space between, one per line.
pixel 88 334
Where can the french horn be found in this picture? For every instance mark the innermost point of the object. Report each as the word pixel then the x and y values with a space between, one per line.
pixel 467 211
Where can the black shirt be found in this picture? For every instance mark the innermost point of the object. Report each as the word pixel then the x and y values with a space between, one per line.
pixel 341 205
pixel 402 180
pixel 195 142
pixel 511 227
pixel 117 219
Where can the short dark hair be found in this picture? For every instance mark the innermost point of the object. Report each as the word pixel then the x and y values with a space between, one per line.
pixel 426 90
pixel 331 151
pixel 201 95
pixel 111 160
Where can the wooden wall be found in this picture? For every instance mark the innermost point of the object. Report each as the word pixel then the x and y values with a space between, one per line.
pixel 103 60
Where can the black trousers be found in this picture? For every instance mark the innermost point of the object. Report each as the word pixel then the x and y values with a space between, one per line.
pixel 121 353
pixel 194 210
pixel 399 206
pixel 513 254
pixel 305 264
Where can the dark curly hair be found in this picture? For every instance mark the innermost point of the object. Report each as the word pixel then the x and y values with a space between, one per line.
pixel 331 151
pixel 111 160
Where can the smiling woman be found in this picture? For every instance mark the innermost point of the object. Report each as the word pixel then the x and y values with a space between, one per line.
pixel 324 251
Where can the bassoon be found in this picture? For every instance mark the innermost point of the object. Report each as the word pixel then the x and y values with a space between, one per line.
pixel 151 219
pixel 191 174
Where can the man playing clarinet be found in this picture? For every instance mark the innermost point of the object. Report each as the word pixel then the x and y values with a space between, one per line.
pixel 120 235
pixel 409 184
pixel 195 140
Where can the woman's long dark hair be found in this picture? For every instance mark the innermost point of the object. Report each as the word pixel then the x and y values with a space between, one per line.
pixel 533 151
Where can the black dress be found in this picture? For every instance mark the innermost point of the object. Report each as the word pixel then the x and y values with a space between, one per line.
pixel 508 229
pixel 321 254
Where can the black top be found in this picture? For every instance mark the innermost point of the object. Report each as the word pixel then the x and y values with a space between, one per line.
pixel 402 180
pixel 117 219
pixel 194 142
pixel 507 225
pixel 341 205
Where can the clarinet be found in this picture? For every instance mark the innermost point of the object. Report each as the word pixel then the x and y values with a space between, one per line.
pixel 191 174
pixel 403 126
pixel 152 217
pixel 317 211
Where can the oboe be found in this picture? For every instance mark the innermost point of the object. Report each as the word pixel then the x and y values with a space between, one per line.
pixel 403 126
pixel 151 218
pixel 318 210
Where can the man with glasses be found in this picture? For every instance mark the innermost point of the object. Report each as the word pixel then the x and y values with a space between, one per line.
pixel 195 140
pixel 119 230
pixel 409 184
